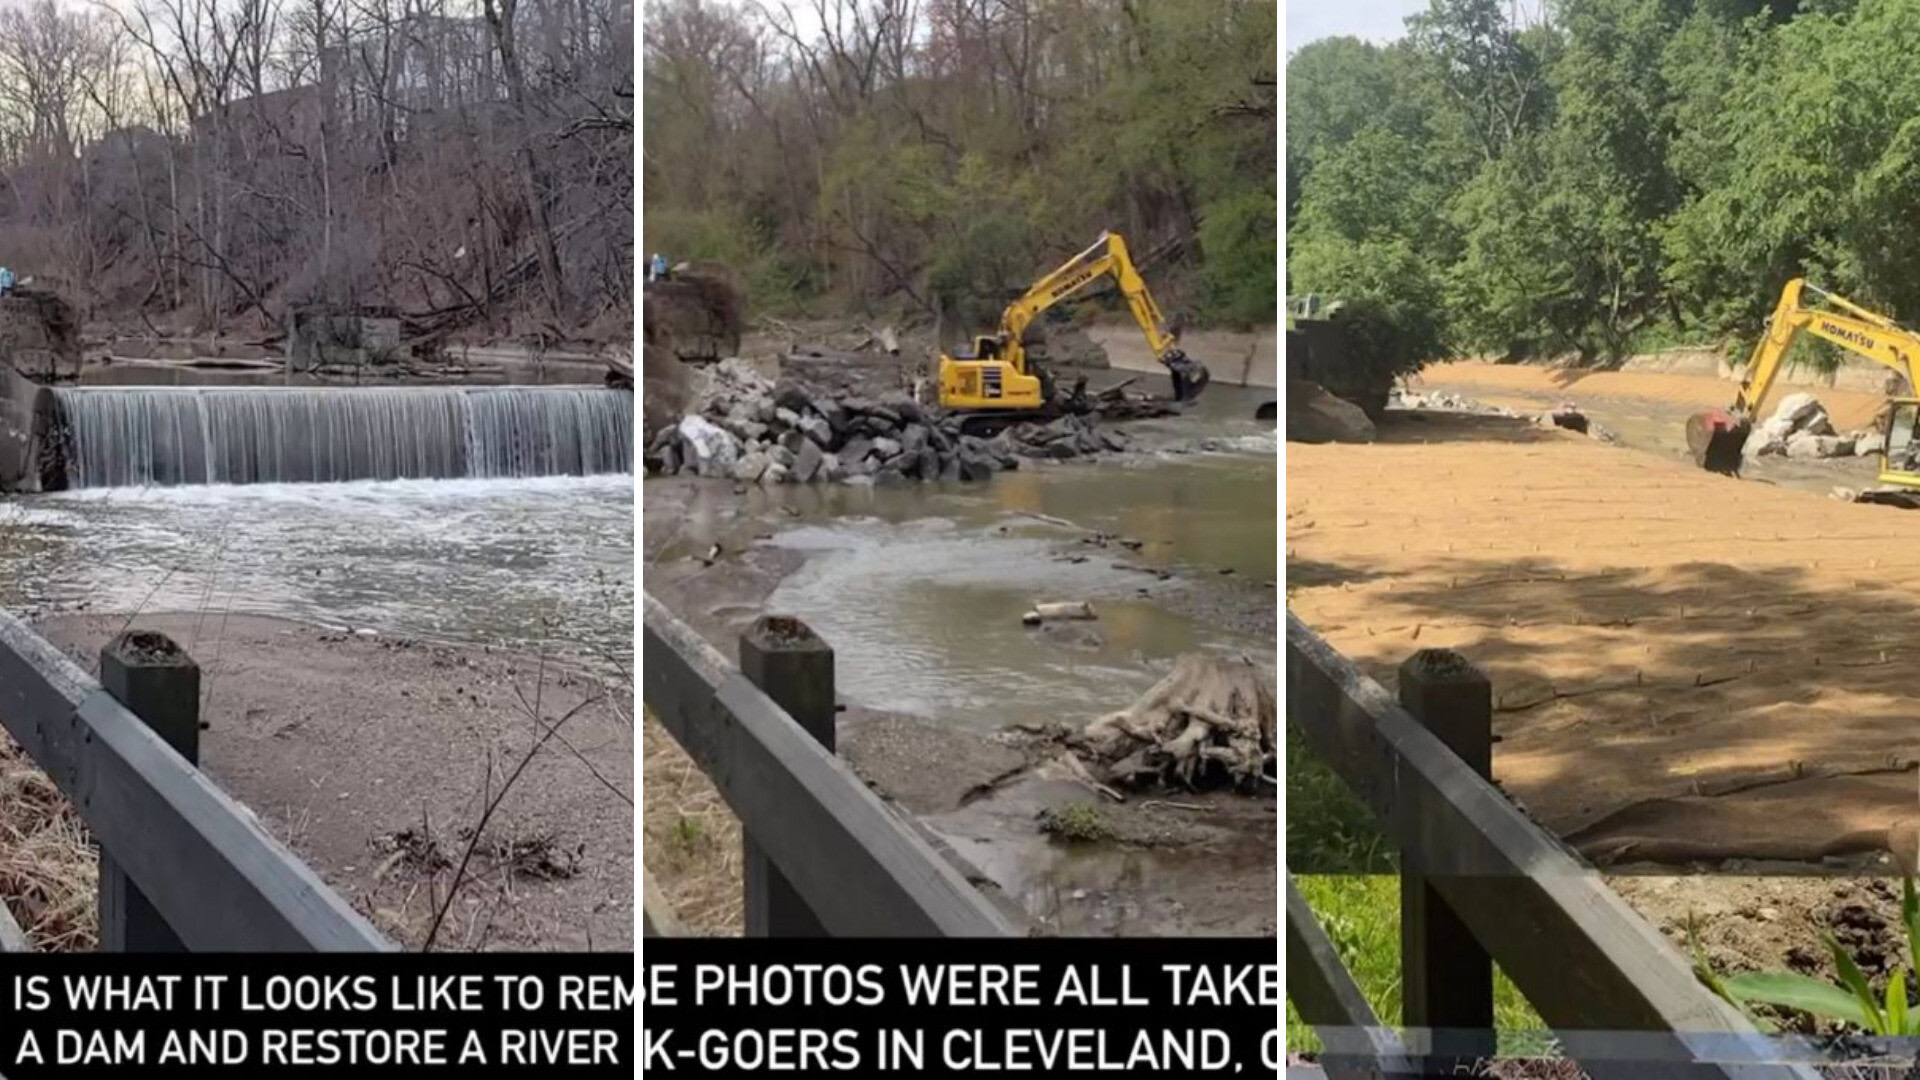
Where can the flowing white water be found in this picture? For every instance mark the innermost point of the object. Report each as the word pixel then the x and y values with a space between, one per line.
pixel 541 564
pixel 136 437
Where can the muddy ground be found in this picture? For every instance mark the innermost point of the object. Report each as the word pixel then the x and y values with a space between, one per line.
pixel 375 758
pixel 1694 675
pixel 1164 864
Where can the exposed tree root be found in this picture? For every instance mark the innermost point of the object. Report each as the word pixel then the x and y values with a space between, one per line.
pixel 1208 724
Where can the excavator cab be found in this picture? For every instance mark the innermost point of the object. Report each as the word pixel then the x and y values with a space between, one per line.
pixel 1899 447
pixel 988 383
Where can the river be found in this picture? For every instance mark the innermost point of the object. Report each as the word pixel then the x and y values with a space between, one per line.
pixel 529 563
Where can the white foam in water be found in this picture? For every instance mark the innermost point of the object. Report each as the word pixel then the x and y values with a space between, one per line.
pixel 165 436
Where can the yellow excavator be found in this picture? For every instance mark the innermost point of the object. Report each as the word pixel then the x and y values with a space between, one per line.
pixel 1718 437
pixel 997 375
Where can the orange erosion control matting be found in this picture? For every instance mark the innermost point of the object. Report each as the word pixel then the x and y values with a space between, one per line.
pixel 1685 666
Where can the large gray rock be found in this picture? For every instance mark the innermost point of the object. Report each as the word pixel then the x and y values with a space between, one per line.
pixel 786 417
pixel 781 456
pixel 776 474
pixel 750 466
pixel 1059 429
pixel 859 406
pixel 792 399
pixel 1798 412
pixel 709 448
pixel 871 426
pixel 913 437
pixel 807 461
pixel 1808 445
pixel 833 413
pixel 904 408
pixel 818 430
pixel 886 448
pixel 1315 416
pixel 929 463
pixel 742 425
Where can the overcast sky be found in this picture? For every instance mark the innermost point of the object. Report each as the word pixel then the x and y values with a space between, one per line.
pixel 1375 20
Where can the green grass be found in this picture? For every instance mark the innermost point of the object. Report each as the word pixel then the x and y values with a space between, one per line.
pixel 1077 822
pixel 1329 830
pixel 1361 916
pixel 1347 871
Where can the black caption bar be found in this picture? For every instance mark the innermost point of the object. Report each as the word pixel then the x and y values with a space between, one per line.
pixel 491 1014
pixel 1137 1008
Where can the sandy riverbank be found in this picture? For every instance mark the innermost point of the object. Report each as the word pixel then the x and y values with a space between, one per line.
pixel 373 759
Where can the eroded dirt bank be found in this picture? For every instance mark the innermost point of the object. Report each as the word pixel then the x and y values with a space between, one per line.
pixel 373 759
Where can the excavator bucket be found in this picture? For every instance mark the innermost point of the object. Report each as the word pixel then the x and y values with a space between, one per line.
pixel 1190 377
pixel 1718 440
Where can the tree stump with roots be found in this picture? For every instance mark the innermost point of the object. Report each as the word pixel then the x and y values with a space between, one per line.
pixel 1209 723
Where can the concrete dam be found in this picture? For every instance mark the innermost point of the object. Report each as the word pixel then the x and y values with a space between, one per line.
pixel 166 436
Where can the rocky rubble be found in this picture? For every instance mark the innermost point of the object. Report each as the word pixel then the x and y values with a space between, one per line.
pixel 750 430
pixel 1566 415
pixel 1801 428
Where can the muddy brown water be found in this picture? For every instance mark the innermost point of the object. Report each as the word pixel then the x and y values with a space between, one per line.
pixel 919 589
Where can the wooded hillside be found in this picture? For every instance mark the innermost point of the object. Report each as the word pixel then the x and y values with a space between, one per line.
pixel 205 164
pixel 906 155
pixel 1617 174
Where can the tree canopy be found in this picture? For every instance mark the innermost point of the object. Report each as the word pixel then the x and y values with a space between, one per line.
pixel 933 155
pixel 1618 172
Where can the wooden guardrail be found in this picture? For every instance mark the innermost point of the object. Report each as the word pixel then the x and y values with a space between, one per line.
pixel 183 867
pixel 823 855
pixel 1480 883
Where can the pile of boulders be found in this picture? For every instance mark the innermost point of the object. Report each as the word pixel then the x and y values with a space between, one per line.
pixel 1801 428
pixel 1566 415
pixel 748 429
pixel 1418 401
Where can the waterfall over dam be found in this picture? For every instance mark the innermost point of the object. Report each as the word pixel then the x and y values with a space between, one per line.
pixel 140 436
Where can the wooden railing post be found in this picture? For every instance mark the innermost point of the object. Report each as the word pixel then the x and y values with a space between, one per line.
pixel 791 664
pixel 1447 975
pixel 157 682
